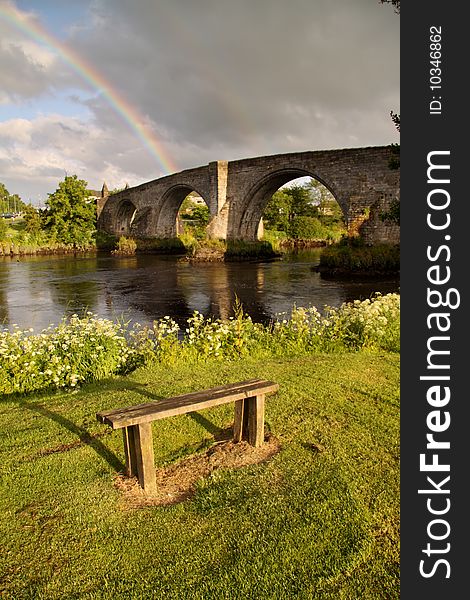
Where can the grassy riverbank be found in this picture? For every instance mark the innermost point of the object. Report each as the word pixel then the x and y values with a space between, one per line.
pixel 353 257
pixel 19 243
pixel 16 240
pixel 319 520
pixel 347 257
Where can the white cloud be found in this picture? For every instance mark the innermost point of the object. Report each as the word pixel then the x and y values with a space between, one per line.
pixel 36 154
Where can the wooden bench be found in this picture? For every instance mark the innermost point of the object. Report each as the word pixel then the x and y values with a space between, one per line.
pixel 136 421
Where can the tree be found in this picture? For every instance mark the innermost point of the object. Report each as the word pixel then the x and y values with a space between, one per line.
pixel 71 217
pixel 32 219
pixel 187 205
pixel 288 203
pixel 301 203
pixel 201 213
pixel 307 211
pixel 395 3
pixel 396 119
pixel 4 195
pixel 10 203
pixel 276 212
pixel 328 209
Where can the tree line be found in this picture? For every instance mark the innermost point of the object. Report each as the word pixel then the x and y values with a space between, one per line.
pixel 10 203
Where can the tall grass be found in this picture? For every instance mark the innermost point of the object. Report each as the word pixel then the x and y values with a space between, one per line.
pixel 15 240
pixel 31 244
pixel 229 249
pixel 161 245
pixel 277 239
pixel 125 245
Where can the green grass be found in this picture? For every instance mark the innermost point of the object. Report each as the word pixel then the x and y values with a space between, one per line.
pixel 319 520
pixel 230 249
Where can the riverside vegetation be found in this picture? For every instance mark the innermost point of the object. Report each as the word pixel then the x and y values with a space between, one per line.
pixel 87 348
pixel 67 224
pixel 320 519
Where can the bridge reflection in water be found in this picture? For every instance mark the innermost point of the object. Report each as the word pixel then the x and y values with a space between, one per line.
pixel 37 291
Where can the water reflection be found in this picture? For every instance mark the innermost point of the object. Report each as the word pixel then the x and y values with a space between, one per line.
pixel 70 282
pixel 149 288
pixel 37 291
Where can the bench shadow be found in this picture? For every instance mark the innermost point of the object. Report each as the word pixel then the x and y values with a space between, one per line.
pixel 206 424
pixel 83 435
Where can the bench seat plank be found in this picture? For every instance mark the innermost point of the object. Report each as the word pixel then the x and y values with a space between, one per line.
pixel 167 407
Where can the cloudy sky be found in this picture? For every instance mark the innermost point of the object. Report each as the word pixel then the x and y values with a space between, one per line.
pixel 125 92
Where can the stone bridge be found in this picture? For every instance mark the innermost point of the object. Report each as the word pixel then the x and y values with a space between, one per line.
pixel 236 193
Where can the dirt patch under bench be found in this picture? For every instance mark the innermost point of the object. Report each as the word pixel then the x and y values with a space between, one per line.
pixel 176 482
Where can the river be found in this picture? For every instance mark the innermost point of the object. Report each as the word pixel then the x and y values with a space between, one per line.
pixel 38 291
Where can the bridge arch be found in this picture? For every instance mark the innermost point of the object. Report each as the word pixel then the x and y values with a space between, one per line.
pixel 170 205
pixel 236 193
pixel 126 212
pixel 254 202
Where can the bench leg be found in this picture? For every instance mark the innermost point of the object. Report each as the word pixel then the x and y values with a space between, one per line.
pixel 256 420
pixel 249 420
pixel 138 446
pixel 238 422
pixel 129 451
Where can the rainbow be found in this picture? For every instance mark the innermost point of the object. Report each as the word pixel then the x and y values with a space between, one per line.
pixel 91 75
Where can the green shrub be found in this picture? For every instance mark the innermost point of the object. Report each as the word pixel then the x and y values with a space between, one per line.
pixel 105 241
pixel 125 246
pixel 190 242
pixel 305 228
pixel 313 228
pixel 3 229
pixel 161 245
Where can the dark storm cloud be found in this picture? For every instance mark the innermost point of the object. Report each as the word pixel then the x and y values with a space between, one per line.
pixel 232 73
